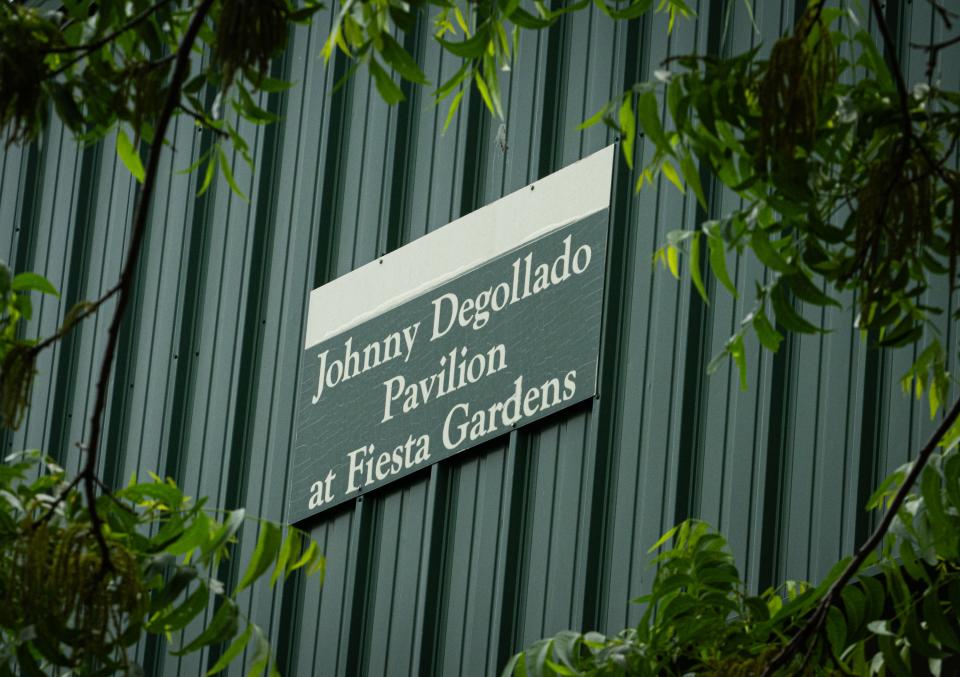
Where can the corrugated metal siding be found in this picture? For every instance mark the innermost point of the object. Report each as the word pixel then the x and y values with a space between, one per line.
pixel 455 568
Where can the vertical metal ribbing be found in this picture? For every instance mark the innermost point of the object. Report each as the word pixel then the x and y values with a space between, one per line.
pixel 398 212
pixel 505 622
pixel 607 407
pixel 251 348
pixel 72 293
pixel 176 457
pixel 697 349
pixel 428 625
pixel 359 582
pixel 331 193
pixel 24 235
pixel 877 379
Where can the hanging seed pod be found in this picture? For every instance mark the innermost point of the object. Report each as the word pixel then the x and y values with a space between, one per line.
pixel 249 33
pixel 54 582
pixel 17 369
pixel 22 71
pixel 800 71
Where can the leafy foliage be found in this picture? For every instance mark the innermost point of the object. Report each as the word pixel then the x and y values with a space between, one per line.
pixel 62 605
pixel 17 360
pixel 846 181
pixel 483 34
pixel 848 189
pixel 897 617
pixel 105 66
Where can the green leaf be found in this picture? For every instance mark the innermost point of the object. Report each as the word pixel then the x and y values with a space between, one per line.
pixel 889 483
pixel 596 117
pixel 805 290
pixel 836 628
pixel 769 337
pixel 692 176
pixel 633 10
pixel 232 651
pixel 309 555
pixel 768 255
pixel 905 332
pixel 290 545
pixel 891 657
pixel 933 500
pixel 178 617
pixel 695 267
pixel 736 350
pixel 264 554
pixel 271 85
pixel 444 90
pixel 648 114
pixel 484 92
pixel 673 261
pixel 129 156
pixel 786 315
pixel 222 627
pixel 66 106
pixel 194 84
pixel 177 583
pixel 628 128
pixel 193 537
pixel 663 539
pixel 33 282
pixel 228 175
pixel 400 60
pixel 230 526
pixel 389 90
pixel 718 260
pixel 471 48
pixel 854 606
pixel 668 171
pixel 452 110
pixel 208 175
pixel 525 19
pixel 261 657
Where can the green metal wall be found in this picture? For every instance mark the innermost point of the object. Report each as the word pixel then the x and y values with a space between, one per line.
pixel 547 528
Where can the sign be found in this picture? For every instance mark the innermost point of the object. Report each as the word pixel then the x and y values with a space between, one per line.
pixel 425 371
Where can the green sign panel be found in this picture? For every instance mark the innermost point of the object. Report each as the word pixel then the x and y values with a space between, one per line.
pixel 504 344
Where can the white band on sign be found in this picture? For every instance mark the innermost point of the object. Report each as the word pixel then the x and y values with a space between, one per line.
pixel 554 201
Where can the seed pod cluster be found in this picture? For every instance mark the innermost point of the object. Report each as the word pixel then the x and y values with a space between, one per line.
pixel 801 69
pixel 894 225
pixel 53 585
pixel 17 369
pixel 22 72
pixel 249 32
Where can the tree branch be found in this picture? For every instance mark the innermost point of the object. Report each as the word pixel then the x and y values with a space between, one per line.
pixel 202 120
pixel 815 622
pixel 133 22
pixel 124 286
pixel 933 49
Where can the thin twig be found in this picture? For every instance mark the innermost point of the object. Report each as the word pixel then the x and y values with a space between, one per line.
pixel 944 13
pixel 66 328
pixel 202 119
pixel 933 46
pixel 815 622
pixel 53 506
pixel 88 47
pixel 139 226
